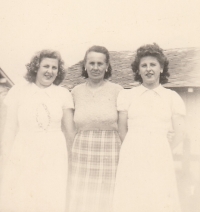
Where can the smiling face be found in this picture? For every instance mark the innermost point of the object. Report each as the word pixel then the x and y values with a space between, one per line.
pixel 96 65
pixel 150 69
pixel 47 72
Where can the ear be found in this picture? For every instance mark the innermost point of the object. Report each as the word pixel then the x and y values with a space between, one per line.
pixel 107 67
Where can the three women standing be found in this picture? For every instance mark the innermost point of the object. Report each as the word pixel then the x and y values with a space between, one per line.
pixel 35 159
pixel 35 153
pixel 145 177
pixel 95 150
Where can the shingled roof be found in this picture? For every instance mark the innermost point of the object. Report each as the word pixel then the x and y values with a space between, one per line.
pixel 4 79
pixel 184 68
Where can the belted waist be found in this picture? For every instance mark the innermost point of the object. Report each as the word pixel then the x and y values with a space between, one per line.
pixel 26 131
pixel 147 129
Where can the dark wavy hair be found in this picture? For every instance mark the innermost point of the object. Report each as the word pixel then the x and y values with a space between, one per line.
pixel 34 65
pixel 98 49
pixel 155 51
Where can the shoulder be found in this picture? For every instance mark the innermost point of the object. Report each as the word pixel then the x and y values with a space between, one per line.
pixel 78 88
pixel 61 91
pixel 176 100
pixel 175 94
pixel 178 105
pixel 124 99
pixel 125 93
pixel 21 87
pixel 135 90
pixel 17 92
pixel 171 93
pixel 114 85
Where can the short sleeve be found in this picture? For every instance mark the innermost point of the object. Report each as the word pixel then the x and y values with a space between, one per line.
pixel 118 88
pixel 12 97
pixel 67 100
pixel 178 106
pixel 123 101
pixel 75 92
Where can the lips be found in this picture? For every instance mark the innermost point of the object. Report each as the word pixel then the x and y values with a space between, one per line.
pixel 149 75
pixel 47 76
pixel 95 73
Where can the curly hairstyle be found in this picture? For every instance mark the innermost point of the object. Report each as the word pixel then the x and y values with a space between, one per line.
pixel 34 65
pixel 98 49
pixel 155 51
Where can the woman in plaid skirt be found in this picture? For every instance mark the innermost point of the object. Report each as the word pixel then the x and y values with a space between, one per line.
pixel 96 146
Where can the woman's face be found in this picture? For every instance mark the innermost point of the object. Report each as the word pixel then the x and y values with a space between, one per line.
pixel 96 65
pixel 47 72
pixel 150 69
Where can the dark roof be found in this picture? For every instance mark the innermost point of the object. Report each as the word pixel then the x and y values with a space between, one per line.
pixel 184 68
pixel 3 76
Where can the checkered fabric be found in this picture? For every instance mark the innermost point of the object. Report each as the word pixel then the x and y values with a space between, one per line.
pixel 94 162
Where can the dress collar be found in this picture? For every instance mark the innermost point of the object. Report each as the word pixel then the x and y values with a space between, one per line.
pixel 48 91
pixel 158 90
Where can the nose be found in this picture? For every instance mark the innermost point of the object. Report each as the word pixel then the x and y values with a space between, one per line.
pixel 95 66
pixel 148 68
pixel 49 69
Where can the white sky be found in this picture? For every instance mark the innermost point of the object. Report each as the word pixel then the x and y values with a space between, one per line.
pixel 72 26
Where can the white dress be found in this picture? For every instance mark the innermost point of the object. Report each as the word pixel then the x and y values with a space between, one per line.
pixel 34 177
pixel 145 180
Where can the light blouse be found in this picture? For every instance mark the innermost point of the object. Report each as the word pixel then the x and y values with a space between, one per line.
pixel 39 109
pixel 96 111
pixel 150 108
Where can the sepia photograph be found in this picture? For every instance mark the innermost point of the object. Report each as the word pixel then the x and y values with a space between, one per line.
pixel 99 106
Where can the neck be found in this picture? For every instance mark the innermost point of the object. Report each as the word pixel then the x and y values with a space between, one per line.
pixel 95 83
pixel 151 86
pixel 41 86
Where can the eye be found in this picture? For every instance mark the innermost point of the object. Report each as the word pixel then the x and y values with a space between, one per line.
pixel 46 66
pixel 55 68
pixel 92 63
pixel 153 64
pixel 143 65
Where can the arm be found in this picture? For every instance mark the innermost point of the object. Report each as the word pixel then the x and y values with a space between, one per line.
pixel 69 126
pixel 122 124
pixel 10 130
pixel 178 122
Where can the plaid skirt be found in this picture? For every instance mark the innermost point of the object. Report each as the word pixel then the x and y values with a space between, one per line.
pixel 94 162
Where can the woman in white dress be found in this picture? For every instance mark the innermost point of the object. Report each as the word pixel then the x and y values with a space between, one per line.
pixel 34 158
pixel 145 178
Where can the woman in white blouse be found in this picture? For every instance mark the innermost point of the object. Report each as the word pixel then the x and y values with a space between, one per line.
pixel 34 152
pixel 145 177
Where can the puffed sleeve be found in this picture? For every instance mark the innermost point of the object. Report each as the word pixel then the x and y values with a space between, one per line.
pixel 123 101
pixel 12 97
pixel 67 99
pixel 178 106
pixel 118 88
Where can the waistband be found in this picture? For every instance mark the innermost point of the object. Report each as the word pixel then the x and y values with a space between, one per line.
pixel 23 131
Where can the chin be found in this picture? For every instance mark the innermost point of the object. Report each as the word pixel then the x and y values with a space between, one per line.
pixel 97 78
pixel 150 82
pixel 47 84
